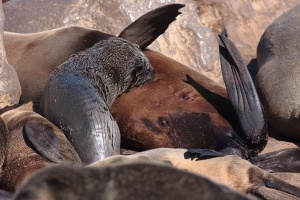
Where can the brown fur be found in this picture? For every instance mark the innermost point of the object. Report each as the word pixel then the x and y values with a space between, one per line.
pixel 21 158
pixel 53 47
pixel 128 181
pixel 171 97
pixel 174 110
pixel 232 171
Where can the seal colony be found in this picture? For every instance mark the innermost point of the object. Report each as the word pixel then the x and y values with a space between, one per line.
pixel 198 102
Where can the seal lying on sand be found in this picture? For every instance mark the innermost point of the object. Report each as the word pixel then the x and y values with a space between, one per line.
pixel 79 92
pixel 232 171
pixel 277 80
pixel 128 181
pixel 32 143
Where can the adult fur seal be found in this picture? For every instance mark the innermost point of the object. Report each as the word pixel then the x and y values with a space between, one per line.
pixel 277 80
pixel 184 107
pixel 232 171
pixel 128 181
pixel 32 143
pixel 85 86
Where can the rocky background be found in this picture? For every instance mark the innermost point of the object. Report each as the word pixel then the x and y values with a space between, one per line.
pixel 188 40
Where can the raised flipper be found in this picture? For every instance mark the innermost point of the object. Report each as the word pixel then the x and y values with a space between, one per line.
pixel 44 140
pixel 243 95
pixel 285 160
pixel 148 27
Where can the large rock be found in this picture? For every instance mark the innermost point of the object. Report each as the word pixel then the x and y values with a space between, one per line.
pixel 245 20
pixel 186 40
pixel 10 89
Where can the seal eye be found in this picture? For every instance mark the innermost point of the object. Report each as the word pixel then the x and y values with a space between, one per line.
pixel 163 122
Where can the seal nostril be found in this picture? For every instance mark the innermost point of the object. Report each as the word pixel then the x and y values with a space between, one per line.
pixel 163 121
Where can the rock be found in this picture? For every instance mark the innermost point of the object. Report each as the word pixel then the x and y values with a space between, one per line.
pixel 245 20
pixel 10 89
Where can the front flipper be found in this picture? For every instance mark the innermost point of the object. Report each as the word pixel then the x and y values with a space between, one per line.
pixel 44 140
pixel 148 27
pixel 209 153
pixel 285 160
pixel 243 96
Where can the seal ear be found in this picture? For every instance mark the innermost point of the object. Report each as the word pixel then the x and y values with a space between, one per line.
pixel 242 94
pixel 148 27
pixel 44 140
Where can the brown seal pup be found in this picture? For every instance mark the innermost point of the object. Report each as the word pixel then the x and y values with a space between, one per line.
pixel 79 92
pixel 231 171
pixel 33 143
pixel 37 55
pixel 277 80
pixel 128 181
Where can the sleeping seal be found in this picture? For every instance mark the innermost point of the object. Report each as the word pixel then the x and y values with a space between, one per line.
pixel 278 80
pixel 232 171
pixel 175 109
pixel 79 92
pixel 128 181
pixel 32 143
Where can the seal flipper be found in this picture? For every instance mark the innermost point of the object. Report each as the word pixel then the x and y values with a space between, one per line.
pixel 243 96
pixel 44 140
pixel 285 160
pixel 275 188
pixel 148 27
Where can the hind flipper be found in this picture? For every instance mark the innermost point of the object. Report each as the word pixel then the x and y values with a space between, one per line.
pixel 243 96
pixel 148 27
pixel 285 160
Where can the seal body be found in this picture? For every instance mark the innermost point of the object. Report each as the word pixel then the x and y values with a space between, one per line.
pixel 79 93
pixel 277 80
pixel 26 155
pixel 128 181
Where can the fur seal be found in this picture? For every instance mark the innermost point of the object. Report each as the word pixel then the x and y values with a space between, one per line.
pixel 277 81
pixel 179 107
pixel 232 171
pixel 33 143
pixel 85 86
pixel 128 181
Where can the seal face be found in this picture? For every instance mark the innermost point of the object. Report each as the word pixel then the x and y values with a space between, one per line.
pixel 79 92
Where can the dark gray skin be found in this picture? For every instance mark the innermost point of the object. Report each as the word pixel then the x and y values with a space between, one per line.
pixel 85 86
pixel 129 181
